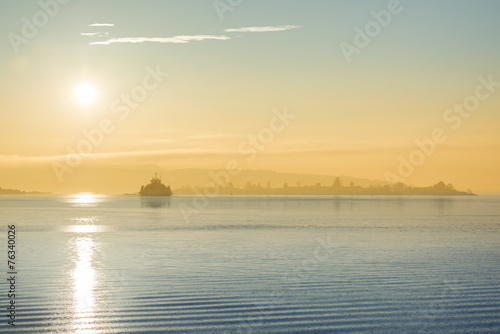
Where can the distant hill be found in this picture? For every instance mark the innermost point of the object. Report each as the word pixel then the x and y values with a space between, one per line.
pixel 124 179
pixel 18 192
pixel 337 188
pixel 199 177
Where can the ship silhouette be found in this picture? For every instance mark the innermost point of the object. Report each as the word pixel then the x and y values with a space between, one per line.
pixel 155 188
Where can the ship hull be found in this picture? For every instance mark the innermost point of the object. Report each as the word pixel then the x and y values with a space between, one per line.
pixel 156 194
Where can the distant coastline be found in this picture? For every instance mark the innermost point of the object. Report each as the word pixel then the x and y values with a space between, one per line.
pixel 439 189
pixel 336 188
pixel 19 192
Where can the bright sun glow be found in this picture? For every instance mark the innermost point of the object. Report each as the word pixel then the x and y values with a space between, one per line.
pixel 84 199
pixel 85 93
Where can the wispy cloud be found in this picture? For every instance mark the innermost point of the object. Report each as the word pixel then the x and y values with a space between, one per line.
pixel 124 154
pixel 263 29
pixel 194 140
pixel 228 151
pixel 175 39
pixel 101 25
pixel 95 34
pixel 178 39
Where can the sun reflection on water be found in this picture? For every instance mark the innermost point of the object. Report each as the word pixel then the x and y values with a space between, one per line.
pixel 84 285
pixel 85 228
pixel 85 225
pixel 85 198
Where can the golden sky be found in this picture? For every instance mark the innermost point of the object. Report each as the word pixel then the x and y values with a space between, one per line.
pixel 321 87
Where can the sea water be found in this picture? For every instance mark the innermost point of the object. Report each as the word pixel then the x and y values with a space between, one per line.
pixel 90 263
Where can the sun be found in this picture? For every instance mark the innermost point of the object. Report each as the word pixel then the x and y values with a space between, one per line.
pixel 85 93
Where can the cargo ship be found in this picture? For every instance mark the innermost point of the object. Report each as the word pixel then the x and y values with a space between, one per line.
pixel 155 188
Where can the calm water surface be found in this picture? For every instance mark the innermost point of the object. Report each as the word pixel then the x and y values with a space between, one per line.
pixel 103 264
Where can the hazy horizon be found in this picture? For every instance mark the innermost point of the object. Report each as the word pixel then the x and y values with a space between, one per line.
pixel 107 181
